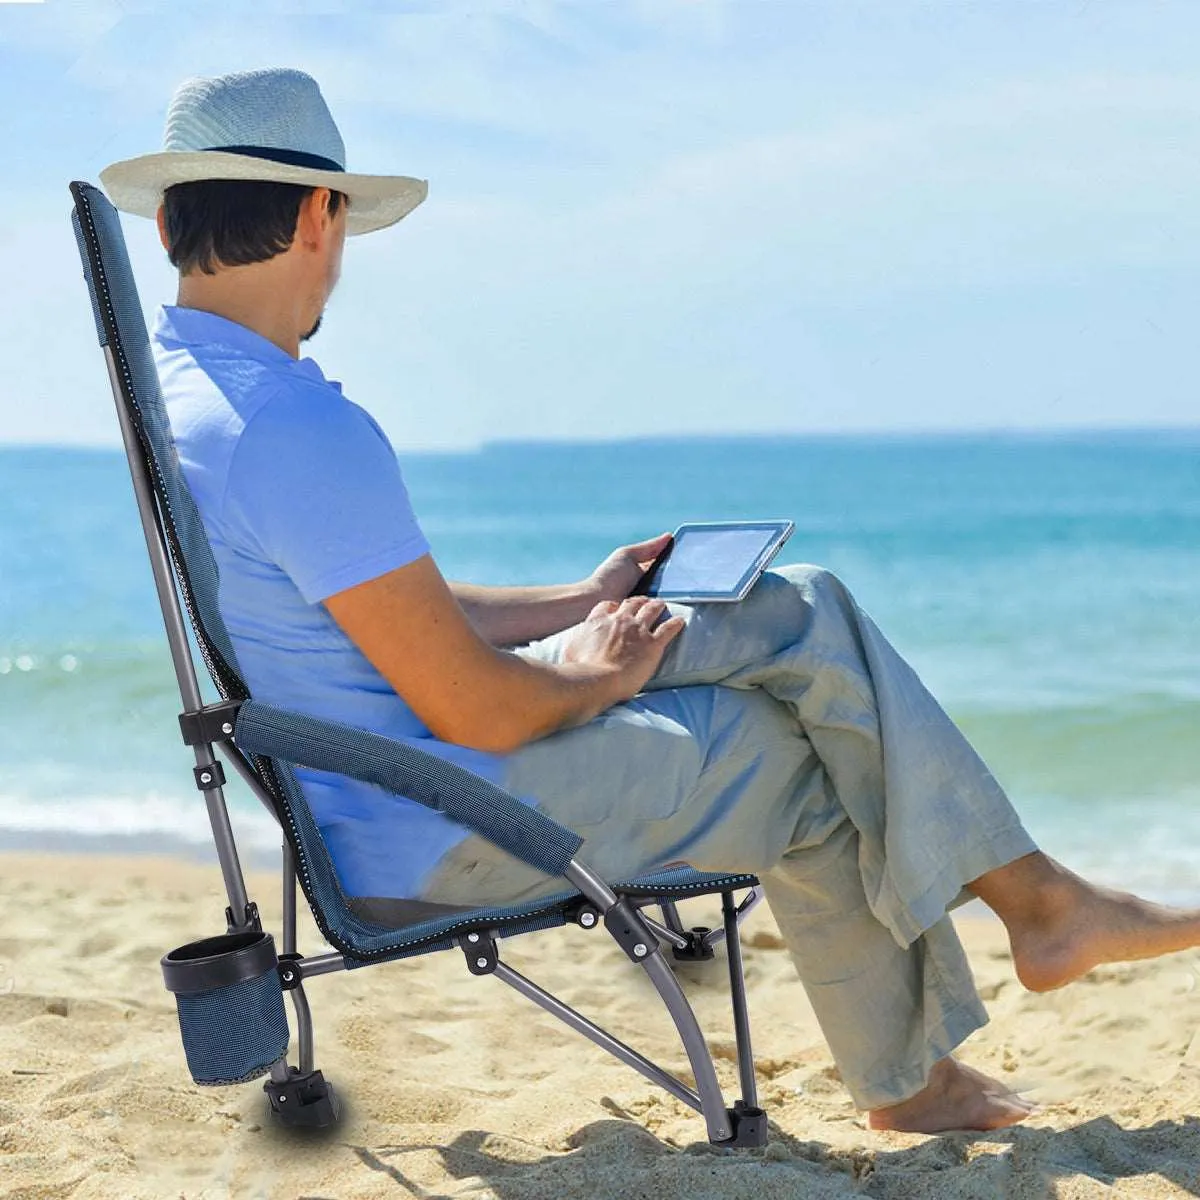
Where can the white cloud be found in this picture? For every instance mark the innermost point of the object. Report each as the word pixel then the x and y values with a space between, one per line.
pixel 1017 184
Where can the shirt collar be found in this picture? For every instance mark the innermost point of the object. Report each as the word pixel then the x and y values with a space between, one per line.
pixel 194 327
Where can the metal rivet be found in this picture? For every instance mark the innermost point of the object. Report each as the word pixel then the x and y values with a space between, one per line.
pixel 588 920
pixel 640 951
pixel 206 778
pixel 472 937
pixel 227 728
pixel 282 1099
pixel 481 962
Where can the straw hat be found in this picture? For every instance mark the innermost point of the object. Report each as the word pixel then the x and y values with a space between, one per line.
pixel 270 125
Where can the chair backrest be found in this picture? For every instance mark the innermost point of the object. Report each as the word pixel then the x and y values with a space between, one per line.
pixel 121 329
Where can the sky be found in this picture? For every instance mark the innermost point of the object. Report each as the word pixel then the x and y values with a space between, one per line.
pixel 662 217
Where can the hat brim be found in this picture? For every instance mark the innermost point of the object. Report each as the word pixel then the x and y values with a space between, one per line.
pixel 136 185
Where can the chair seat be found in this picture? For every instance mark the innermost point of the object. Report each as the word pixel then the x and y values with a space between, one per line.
pixel 371 940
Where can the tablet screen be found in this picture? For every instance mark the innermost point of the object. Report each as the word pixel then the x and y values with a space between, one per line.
pixel 713 560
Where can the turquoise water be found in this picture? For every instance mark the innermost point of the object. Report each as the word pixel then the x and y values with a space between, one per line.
pixel 1046 589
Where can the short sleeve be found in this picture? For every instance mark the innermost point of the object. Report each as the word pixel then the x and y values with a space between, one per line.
pixel 315 484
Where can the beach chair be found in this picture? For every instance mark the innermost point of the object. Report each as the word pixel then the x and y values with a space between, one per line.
pixel 229 988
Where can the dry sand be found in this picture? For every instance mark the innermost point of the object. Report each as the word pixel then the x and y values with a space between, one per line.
pixel 455 1086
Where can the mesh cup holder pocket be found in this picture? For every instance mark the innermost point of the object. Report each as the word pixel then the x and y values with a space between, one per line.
pixel 230 1003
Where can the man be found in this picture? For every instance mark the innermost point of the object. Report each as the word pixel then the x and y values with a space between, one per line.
pixel 782 735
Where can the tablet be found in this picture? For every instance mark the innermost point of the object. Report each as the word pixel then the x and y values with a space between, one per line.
pixel 714 561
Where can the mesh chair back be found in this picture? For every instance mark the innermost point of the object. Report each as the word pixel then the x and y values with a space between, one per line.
pixel 121 327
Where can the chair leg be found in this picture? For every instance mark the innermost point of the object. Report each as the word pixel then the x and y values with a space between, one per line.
pixel 289 900
pixel 745 1124
pixel 750 1120
pixel 737 991
pixel 300 1096
pixel 716 1116
pixel 304 1029
pixel 737 1126
pixel 671 916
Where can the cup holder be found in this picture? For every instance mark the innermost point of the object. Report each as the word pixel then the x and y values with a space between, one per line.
pixel 230 1002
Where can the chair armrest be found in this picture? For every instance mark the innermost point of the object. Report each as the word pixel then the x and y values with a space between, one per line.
pixel 468 798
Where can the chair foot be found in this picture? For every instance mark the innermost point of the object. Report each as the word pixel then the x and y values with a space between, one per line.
pixel 749 1125
pixel 303 1101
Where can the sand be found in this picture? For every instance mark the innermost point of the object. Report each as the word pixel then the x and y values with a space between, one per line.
pixel 456 1086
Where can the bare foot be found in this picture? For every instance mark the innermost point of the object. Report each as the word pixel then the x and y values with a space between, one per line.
pixel 1076 926
pixel 956 1097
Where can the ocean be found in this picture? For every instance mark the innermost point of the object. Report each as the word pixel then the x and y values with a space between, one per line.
pixel 1046 588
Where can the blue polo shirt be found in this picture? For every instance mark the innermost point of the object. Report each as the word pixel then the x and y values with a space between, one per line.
pixel 302 497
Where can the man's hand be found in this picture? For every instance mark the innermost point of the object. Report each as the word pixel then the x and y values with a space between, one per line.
pixel 414 632
pixel 624 639
pixel 616 576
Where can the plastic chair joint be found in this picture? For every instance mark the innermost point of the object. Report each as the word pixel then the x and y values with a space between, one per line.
pixel 583 913
pixel 749 1125
pixel 209 723
pixel 698 949
pixel 481 952
pixel 290 972
pixel 250 919
pixel 629 931
pixel 209 778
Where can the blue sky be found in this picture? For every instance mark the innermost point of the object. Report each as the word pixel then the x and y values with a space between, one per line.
pixel 672 216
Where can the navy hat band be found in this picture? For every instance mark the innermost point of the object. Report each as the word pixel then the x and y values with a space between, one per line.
pixel 293 158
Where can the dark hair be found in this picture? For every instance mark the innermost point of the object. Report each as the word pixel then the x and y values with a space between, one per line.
pixel 230 223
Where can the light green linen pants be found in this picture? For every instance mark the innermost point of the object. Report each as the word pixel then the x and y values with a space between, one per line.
pixel 785 736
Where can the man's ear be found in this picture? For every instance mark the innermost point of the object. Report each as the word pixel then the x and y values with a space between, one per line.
pixel 313 218
pixel 161 219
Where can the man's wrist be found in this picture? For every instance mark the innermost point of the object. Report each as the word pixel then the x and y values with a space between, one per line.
pixel 600 687
pixel 588 593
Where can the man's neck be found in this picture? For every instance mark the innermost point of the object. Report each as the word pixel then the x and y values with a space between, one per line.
pixel 259 296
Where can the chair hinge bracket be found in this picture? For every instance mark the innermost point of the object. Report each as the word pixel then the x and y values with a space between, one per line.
pixel 629 931
pixel 698 949
pixel 251 920
pixel 290 972
pixel 209 723
pixel 583 913
pixel 481 952
pixel 209 778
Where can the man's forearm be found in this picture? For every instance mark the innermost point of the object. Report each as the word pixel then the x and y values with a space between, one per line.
pixel 511 616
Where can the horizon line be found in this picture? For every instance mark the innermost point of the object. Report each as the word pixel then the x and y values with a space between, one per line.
pixel 930 433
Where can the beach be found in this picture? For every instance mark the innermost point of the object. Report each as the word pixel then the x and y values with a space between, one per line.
pixel 455 1086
